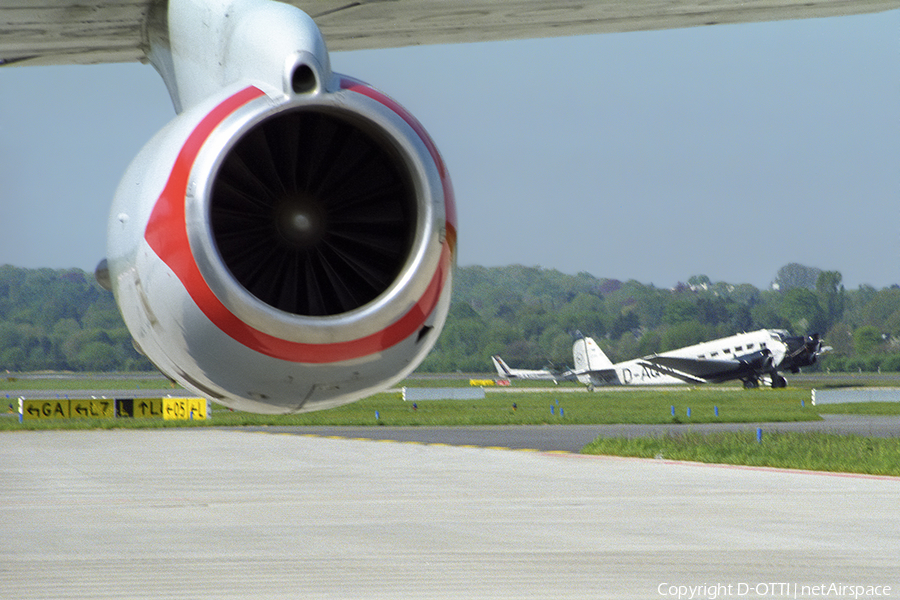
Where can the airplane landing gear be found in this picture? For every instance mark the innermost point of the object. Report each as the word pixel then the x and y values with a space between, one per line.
pixel 778 381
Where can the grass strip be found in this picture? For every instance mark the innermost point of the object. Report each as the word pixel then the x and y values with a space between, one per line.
pixel 860 408
pixel 522 408
pixel 807 451
pixel 89 383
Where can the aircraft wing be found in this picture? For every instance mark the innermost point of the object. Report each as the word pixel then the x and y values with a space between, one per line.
pixel 95 31
pixel 694 370
pixel 605 375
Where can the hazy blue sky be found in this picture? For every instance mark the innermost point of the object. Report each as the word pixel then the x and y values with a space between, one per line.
pixel 726 151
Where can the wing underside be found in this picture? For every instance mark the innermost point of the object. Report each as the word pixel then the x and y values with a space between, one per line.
pixel 605 375
pixel 694 370
pixel 94 31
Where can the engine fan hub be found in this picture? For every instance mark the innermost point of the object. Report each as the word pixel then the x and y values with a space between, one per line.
pixel 300 222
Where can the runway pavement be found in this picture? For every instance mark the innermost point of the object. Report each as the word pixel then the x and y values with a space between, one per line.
pixel 213 513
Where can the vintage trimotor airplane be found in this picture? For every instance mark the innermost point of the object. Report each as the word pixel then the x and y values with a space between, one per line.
pixel 754 357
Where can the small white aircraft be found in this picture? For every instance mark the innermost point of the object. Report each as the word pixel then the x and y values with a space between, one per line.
pixel 752 357
pixel 506 372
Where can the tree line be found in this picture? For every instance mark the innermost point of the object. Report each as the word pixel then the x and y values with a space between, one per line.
pixel 528 315
pixel 62 320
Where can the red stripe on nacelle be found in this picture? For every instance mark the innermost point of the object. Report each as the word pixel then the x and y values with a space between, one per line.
pixel 166 233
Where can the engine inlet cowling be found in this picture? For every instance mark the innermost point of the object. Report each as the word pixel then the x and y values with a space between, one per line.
pixel 313 212
pixel 283 253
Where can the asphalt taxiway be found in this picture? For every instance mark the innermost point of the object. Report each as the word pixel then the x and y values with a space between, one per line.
pixel 213 513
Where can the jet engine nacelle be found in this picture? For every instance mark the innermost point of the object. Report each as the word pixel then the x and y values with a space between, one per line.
pixel 282 252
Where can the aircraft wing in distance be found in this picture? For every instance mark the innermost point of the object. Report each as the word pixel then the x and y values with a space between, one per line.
pixel 695 370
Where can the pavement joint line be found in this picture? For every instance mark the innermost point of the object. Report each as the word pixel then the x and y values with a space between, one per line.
pixel 418 443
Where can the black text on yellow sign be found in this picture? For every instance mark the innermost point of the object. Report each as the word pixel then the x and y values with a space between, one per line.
pixel 148 407
pixel 45 409
pixel 167 408
pixel 66 409
pixel 97 409
pixel 184 408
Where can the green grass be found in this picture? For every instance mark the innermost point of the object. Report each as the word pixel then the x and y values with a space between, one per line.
pixel 538 408
pixel 860 408
pixel 87 383
pixel 531 408
pixel 808 451
pixel 455 382
pixel 635 406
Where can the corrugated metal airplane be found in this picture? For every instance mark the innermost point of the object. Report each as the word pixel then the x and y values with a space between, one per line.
pixel 287 242
pixel 754 357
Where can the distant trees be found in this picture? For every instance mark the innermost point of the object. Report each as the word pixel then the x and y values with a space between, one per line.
pixel 62 320
pixel 832 296
pixel 794 275
pixel 540 309
pixel 802 310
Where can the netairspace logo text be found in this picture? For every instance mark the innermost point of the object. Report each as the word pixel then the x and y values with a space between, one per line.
pixel 723 591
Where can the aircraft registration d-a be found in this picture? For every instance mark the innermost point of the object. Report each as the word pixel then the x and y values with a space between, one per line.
pixel 758 356
pixel 287 241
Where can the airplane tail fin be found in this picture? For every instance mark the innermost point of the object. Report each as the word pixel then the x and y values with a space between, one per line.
pixel 588 356
pixel 502 368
